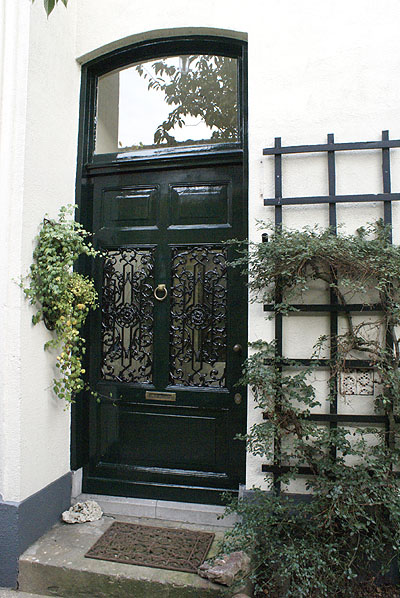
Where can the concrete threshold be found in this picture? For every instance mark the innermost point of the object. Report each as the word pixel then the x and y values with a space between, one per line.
pixel 55 566
pixel 162 509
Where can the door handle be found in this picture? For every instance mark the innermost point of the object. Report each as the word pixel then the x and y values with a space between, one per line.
pixel 237 348
pixel 160 292
pixel 237 398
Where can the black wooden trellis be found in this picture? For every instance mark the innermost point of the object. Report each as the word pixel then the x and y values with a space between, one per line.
pixel 332 308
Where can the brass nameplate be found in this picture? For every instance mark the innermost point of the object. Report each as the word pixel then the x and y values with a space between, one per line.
pixel 160 396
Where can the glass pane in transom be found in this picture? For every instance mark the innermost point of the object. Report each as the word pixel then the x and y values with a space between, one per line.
pixel 169 102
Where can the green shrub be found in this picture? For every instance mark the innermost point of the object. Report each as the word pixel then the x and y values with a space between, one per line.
pixel 349 530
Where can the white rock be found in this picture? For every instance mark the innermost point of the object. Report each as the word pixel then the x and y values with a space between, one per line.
pixel 82 512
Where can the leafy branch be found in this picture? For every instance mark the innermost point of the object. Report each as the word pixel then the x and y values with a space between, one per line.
pixel 50 4
pixel 206 88
pixel 351 525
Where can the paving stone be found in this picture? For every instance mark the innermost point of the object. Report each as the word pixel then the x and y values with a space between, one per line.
pixel 55 566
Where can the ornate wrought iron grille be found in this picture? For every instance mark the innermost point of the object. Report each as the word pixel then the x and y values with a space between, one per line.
pixel 127 315
pixel 198 316
pixel 333 309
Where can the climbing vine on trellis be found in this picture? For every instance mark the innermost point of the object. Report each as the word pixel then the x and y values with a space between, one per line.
pixel 321 547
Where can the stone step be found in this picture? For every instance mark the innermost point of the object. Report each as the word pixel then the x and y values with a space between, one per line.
pixel 55 566
pixel 7 593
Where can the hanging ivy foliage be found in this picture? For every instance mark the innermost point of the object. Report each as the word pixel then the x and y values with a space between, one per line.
pixel 50 4
pixel 349 529
pixel 62 297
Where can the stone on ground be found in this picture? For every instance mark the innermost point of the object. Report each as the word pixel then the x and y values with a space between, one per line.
pixel 226 568
pixel 82 512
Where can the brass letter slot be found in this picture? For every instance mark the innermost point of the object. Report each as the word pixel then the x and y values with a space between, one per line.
pixel 160 396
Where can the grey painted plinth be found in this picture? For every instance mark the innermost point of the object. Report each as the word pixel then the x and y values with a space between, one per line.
pixel 22 523
pixel 9 544
pixel 55 566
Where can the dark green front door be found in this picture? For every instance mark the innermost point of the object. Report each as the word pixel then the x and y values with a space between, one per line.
pixel 167 345
pixel 162 186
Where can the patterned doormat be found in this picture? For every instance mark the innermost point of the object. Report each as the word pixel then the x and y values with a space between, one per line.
pixel 160 547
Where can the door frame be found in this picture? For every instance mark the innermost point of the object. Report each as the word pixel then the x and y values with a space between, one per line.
pixel 88 163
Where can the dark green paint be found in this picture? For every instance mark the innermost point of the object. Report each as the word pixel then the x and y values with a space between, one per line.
pixel 183 450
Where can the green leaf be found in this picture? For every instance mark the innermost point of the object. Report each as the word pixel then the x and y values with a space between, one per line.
pixel 49 5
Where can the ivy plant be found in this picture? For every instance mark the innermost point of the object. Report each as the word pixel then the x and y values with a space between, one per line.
pixel 348 531
pixel 61 296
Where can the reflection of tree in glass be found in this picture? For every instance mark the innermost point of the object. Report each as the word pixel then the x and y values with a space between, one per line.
pixel 204 87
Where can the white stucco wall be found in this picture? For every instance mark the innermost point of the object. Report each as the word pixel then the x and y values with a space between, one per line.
pixel 50 165
pixel 14 42
pixel 314 68
pixel 39 136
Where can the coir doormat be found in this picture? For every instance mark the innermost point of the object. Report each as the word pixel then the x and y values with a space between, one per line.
pixel 160 547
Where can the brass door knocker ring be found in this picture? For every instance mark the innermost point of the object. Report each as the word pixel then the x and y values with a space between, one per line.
pixel 161 288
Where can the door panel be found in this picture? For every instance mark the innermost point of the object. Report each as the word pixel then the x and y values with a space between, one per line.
pixel 129 207
pixel 146 437
pixel 198 316
pixel 205 204
pixel 128 315
pixel 163 364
